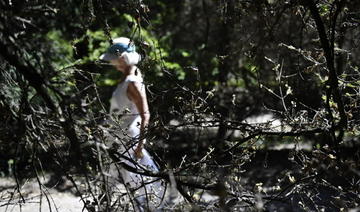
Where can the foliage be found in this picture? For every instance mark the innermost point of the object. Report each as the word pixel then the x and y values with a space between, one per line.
pixel 212 68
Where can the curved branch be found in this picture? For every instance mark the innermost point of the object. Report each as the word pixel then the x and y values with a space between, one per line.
pixel 329 55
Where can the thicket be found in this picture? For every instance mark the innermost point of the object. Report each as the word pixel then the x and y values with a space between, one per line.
pixel 210 68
